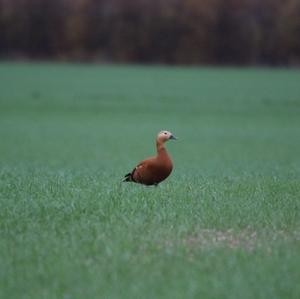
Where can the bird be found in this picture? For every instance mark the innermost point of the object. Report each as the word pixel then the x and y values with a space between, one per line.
pixel 153 170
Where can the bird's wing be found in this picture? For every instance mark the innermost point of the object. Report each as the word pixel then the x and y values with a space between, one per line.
pixel 141 167
pixel 129 177
pixel 134 174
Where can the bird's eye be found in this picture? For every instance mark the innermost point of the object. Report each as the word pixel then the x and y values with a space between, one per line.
pixel 165 133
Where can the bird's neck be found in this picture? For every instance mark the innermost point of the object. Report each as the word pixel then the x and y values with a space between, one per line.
pixel 160 147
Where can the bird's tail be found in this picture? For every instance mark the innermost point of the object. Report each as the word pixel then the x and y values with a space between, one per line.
pixel 128 177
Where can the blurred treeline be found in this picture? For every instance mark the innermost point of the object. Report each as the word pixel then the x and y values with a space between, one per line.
pixel 245 32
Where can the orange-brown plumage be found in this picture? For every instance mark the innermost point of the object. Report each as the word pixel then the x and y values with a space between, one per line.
pixel 153 170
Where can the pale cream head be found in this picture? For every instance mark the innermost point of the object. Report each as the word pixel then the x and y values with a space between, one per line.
pixel 165 136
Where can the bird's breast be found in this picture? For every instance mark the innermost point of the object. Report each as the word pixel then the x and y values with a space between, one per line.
pixel 160 171
pixel 153 170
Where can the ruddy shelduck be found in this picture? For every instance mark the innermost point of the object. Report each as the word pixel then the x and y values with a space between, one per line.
pixel 153 170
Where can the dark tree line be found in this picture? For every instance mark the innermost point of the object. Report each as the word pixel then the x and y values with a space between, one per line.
pixel 245 32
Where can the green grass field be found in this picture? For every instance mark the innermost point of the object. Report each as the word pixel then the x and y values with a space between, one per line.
pixel 226 224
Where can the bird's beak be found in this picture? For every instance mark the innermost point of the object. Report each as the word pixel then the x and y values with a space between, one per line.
pixel 173 137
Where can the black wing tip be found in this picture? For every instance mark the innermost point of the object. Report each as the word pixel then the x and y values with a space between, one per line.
pixel 127 177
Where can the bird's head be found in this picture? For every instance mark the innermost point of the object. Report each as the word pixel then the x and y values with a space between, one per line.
pixel 164 136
